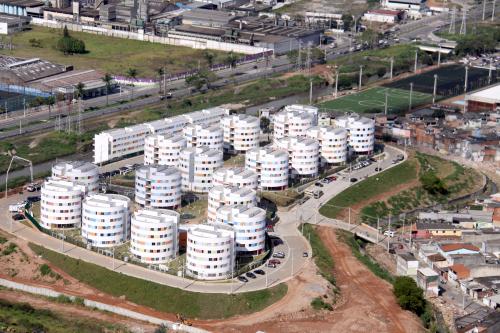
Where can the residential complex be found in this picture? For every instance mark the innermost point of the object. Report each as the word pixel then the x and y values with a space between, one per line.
pixel 271 166
pixel 163 149
pixel 210 252
pixel 197 166
pixel 249 223
pixel 361 137
pixel 106 219
pixel 236 176
pixel 219 196
pixel 158 186
pixel 154 237
pixel 241 133
pixel 84 173
pixel 118 143
pixel 61 204
pixel 202 135
pixel 332 144
pixel 292 123
pixel 308 109
pixel 303 155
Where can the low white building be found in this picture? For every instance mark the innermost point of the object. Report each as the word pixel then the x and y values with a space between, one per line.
pixel 303 155
pixel 163 149
pixel 292 123
pixel 106 219
pixel 158 186
pixel 219 196
pixel 201 135
pixel 383 16
pixel 271 166
pixel 301 108
pixel 61 204
pixel 236 176
pixel 154 237
pixel 197 166
pixel 409 5
pixel 210 252
pixel 361 138
pixel 249 223
pixel 118 143
pixel 80 172
pixel 332 143
pixel 241 133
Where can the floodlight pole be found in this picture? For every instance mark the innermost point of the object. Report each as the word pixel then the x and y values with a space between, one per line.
pixel 385 111
pixel 392 66
pixel 360 76
pixel 466 77
pixel 434 90
pixel 8 170
pixel 439 55
pixel 484 9
pixel 411 93
pixel 493 11
pixel 336 82
pixel 490 70
pixel 416 61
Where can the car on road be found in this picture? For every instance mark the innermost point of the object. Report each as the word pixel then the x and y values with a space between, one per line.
pixel 242 279
pixel 167 96
pixel 303 200
pixel 318 184
pixel 259 271
pixel 33 187
pixel 280 255
pixel 14 208
pixel 332 178
pixel 305 254
pixel 271 265
pixel 389 233
pixel 251 275
pixel 325 181
pixel 274 262
pixel 318 194
pixel 353 180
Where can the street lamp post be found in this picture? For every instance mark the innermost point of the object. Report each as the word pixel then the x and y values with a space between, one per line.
pixel 411 93
pixel 360 76
pixel 392 66
pixel 434 90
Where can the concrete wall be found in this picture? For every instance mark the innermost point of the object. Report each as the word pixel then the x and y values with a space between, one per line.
pixel 484 270
pixel 195 43
pixel 101 306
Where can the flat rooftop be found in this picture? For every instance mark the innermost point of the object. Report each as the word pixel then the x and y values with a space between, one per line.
pixel 488 95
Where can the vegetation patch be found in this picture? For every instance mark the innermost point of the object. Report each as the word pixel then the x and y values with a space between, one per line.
pixel 319 304
pixel 172 300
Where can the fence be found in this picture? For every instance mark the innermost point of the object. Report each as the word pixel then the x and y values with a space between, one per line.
pixel 101 306
pixel 13 97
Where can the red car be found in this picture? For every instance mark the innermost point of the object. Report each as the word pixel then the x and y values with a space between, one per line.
pixel 332 178
pixel 274 262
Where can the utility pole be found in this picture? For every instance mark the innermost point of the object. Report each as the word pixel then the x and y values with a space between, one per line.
pixel 385 105
pixel 463 25
pixel 411 93
pixel 389 236
pixel 336 82
pixel 416 61
pixel 378 231
pixel 164 83
pixel 24 107
pixel 20 126
pixel 435 88
pixel 490 70
pixel 484 9
pixel 493 11
pixel 392 66
pixel 310 91
pixel 466 77
pixel 452 20
pixel 439 56
pixel 360 76
pixel 349 215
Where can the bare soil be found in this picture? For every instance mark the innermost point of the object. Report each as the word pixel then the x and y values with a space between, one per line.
pixel 384 259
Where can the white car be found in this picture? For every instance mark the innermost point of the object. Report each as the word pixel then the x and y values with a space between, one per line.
pixel 389 233
pixel 14 208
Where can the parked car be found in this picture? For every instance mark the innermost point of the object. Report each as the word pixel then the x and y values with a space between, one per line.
pixel 14 208
pixel 33 187
pixel 33 198
pixel 378 169
pixel 389 233
pixel 353 180
pixel 251 275
pixel 279 255
pixel 274 262
pixel 271 265
pixel 332 178
pixel 325 181
pixel 18 217
pixel 305 254
pixel 318 184
pixel 259 271
pixel 242 279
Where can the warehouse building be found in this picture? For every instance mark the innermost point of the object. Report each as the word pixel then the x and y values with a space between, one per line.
pixel 158 187
pixel 10 24
pixel 484 100
pixel 31 8
pixel 383 16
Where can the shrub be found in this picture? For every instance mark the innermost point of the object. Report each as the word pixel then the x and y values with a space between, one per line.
pixel 409 295
pixel 319 304
pixel 11 248
pixel 70 45
pixel 45 269
pixel 433 184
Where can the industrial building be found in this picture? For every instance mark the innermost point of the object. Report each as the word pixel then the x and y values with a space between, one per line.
pixel 61 204
pixel 303 155
pixel 241 133
pixel 197 166
pixel 78 172
pixel 332 144
pixel 106 219
pixel 163 149
pixel 19 71
pixel 484 100
pixel 158 186
pixel 210 252
pixel 10 24
pixel 31 8
pixel 154 237
pixel 236 176
pixel 249 223
pixel 271 166
pixel 219 196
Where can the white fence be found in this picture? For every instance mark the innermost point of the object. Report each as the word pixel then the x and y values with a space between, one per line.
pixel 101 306
pixel 195 43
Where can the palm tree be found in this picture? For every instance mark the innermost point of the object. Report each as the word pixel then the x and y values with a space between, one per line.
pixel 160 72
pixel 107 79
pixel 51 100
pixel 79 90
pixel 231 59
pixel 132 74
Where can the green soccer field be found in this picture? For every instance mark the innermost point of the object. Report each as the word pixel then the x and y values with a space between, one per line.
pixel 373 101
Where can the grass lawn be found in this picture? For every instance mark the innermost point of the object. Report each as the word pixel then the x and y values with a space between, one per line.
pixel 22 317
pixel 373 101
pixel 108 54
pixel 370 187
pixel 161 297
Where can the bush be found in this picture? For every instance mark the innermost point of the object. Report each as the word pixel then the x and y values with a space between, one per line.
pixel 319 304
pixel 433 184
pixel 11 248
pixel 63 299
pixel 409 295
pixel 70 45
pixel 45 269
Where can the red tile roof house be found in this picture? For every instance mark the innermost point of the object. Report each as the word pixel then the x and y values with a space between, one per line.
pixel 458 272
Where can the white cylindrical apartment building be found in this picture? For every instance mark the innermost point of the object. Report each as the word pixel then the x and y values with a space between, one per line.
pixel 158 186
pixel 361 130
pixel 197 166
pixel 202 135
pixel 309 109
pixel 236 176
pixel 271 166
pixel 154 236
pixel 291 123
pixel 79 172
pixel 249 225
pixel 210 252
pixel 163 149
pixel 332 143
pixel 303 155
pixel 61 204
pixel 106 219
pixel 241 133
pixel 219 196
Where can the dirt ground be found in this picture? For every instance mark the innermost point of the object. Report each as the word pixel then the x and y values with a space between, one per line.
pixel 366 304
pixel 380 255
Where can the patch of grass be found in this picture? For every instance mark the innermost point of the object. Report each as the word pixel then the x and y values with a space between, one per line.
pixel 161 297
pixel 22 317
pixel 108 54
pixel 370 187
pixel 320 253
pixel 3 240
pixel 319 304
pixel 46 270
pixel 11 248
pixel 282 198
pixel 356 246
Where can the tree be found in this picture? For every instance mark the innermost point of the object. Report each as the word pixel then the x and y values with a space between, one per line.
pixel 132 74
pixel 370 37
pixel 209 57
pixel 70 45
pixel 107 79
pixel 264 124
pixel 348 21
pixel 409 295
pixel 79 88
pixel 231 59
pixel 432 183
pixel 200 79
pixel 160 71
pixel 51 100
